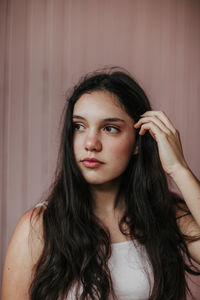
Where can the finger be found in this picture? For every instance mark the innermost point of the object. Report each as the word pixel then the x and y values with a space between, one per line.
pixel 154 130
pixel 155 120
pixel 163 117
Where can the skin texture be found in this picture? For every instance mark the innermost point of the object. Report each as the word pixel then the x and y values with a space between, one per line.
pixel 112 143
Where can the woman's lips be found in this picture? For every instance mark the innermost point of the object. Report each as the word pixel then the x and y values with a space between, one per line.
pixel 91 164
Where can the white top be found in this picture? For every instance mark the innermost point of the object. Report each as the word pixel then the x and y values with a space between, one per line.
pixel 131 271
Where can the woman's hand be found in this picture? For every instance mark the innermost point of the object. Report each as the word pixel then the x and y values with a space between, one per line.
pixel 167 138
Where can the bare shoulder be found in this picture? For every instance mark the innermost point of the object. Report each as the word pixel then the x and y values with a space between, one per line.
pixel 188 226
pixel 24 250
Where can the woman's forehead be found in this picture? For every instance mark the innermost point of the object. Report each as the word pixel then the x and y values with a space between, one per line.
pixel 101 103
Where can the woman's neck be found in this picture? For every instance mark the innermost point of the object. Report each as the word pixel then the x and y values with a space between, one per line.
pixel 104 197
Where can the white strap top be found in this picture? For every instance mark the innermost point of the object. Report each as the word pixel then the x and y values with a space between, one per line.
pixel 130 269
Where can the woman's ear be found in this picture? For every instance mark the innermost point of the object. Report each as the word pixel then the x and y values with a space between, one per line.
pixel 136 149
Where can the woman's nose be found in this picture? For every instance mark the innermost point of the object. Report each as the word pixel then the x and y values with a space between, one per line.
pixel 93 143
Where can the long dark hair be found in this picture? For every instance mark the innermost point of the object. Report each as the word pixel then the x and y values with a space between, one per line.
pixel 77 245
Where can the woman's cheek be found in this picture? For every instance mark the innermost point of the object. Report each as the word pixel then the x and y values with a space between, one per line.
pixel 77 145
pixel 120 150
pixel 126 145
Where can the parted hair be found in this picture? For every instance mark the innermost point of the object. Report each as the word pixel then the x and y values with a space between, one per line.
pixel 77 245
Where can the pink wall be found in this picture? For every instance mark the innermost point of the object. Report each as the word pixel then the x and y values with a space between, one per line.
pixel 47 45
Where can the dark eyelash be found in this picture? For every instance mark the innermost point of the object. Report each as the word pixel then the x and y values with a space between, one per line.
pixel 74 125
pixel 110 126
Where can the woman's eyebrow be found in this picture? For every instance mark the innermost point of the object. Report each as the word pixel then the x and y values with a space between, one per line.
pixel 105 120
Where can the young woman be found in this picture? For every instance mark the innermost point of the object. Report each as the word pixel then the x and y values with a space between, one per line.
pixel 110 228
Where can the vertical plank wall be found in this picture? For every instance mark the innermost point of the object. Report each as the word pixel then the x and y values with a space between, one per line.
pixel 46 45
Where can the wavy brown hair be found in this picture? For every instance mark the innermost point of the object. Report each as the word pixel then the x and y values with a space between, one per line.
pixel 77 245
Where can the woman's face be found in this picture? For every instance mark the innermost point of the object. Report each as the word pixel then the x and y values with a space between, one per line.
pixel 105 132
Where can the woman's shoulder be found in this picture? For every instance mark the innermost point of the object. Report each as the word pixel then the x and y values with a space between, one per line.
pixel 30 224
pixel 24 249
pixel 29 229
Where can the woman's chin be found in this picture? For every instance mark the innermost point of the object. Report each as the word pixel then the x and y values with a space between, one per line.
pixel 95 181
pixel 102 181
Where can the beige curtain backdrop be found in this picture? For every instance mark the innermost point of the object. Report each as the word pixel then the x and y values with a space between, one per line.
pixel 46 45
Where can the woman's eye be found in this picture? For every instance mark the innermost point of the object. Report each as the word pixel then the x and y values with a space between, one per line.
pixel 78 126
pixel 112 129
